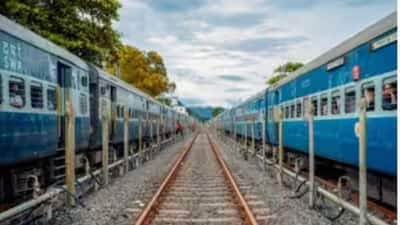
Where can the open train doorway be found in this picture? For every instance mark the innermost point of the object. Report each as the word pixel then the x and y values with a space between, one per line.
pixel 64 80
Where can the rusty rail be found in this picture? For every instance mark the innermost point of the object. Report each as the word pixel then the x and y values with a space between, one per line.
pixel 146 214
pixel 150 211
pixel 247 213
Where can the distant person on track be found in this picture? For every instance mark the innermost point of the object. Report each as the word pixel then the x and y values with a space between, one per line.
pixel 179 128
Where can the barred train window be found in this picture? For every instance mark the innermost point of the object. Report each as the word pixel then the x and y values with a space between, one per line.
pixel 83 104
pixel 121 112
pixel 84 81
pixel 368 92
pixel 298 109
pixel 51 98
pixel 350 100
pixel 118 111
pixel 17 92
pixel 335 103
pixel 36 95
pixel 287 112
pixel 292 111
pixel 315 105
pixel 389 94
pixel 324 105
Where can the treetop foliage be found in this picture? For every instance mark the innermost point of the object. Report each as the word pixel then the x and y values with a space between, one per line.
pixel 282 71
pixel 144 70
pixel 217 110
pixel 84 27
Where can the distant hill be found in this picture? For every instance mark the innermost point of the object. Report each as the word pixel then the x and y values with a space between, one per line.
pixel 202 113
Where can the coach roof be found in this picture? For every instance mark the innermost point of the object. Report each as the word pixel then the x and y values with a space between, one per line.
pixel 371 32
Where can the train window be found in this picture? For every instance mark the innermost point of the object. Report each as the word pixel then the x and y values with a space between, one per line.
pixel 292 109
pixel 335 103
pixel 84 81
pixel 298 109
pixel 389 94
pixel 315 105
pixel 324 105
pixel 350 100
pixel 51 98
pixel 286 112
pixel 17 92
pixel 83 104
pixel 36 95
pixel 122 111
pixel 368 92
pixel 103 90
pixel 118 111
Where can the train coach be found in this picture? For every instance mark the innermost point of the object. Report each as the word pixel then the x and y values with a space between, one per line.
pixel 37 79
pixel 364 66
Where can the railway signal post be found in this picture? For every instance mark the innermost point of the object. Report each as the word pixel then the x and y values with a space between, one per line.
pixel 361 128
pixel 253 139
pixel 140 155
pixel 158 135
pixel 310 118
pixel 151 139
pixel 70 153
pixel 263 141
pixel 245 140
pixel 105 146
pixel 126 140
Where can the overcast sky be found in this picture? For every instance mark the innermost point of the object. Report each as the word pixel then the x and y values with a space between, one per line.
pixel 222 51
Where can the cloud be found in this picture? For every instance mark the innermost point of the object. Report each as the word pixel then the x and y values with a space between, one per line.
pixel 232 77
pixel 174 5
pixel 220 52
pixel 263 44
pixel 236 89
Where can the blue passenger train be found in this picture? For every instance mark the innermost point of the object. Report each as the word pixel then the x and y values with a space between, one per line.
pixel 37 79
pixel 364 66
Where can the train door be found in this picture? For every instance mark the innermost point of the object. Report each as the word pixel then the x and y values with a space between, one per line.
pixel 273 121
pixel 113 100
pixel 64 80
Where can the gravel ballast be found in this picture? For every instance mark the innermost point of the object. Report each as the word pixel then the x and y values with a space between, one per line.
pixel 123 199
pixel 283 209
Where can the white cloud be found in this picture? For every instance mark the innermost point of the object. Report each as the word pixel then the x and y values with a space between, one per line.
pixel 244 38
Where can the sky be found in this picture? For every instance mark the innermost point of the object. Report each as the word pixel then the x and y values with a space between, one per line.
pixel 220 52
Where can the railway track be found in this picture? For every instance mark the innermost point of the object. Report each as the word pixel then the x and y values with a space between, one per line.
pixel 200 189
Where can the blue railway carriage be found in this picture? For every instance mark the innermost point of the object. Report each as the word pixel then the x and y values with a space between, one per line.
pixel 111 98
pixel 364 66
pixel 249 114
pixel 153 115
pixel 37 78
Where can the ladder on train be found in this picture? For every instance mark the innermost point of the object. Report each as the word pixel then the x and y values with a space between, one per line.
pixel 58 167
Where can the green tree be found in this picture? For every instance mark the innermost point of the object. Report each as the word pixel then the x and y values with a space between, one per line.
pixel 81 26
pixel 164 100
pixel 217 111
pixel 145 71
pixel 282 71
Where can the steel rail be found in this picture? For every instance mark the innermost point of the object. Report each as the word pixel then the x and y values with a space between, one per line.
pixel 54 192
pixel 144 217
pixel 248 214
